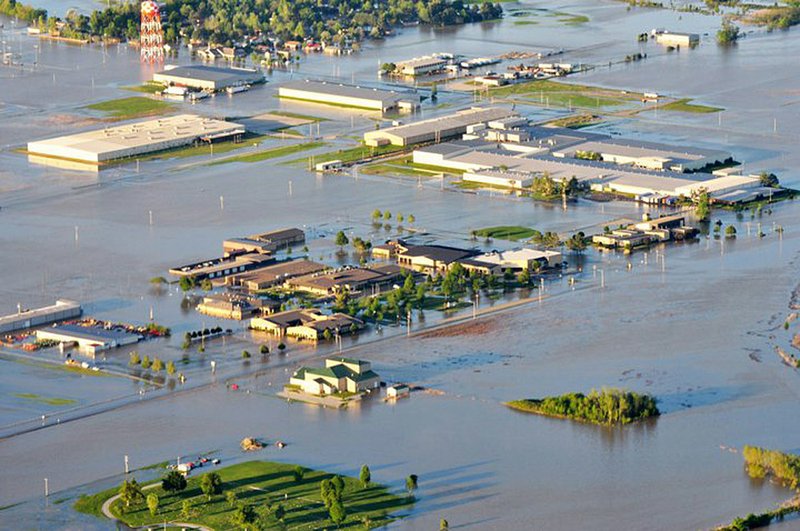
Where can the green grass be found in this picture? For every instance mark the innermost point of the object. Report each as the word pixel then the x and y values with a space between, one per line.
pixel 133 107
pixel 525 22
pixel 575 121
pixel 506 232
pixel 271 153
pixel 564 94
pixel 147 88
pixel 394 169
pixel 685 105
pixel 57 366
pixel 257 483
pixel 203 149
pixel 349 155
pixel 47 400
pixel 330 104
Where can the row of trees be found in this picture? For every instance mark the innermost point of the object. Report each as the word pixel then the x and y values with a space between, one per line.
pixel 761 463
pixel 225 22
pixel 608 406
pixel 386 215
pixel 156 365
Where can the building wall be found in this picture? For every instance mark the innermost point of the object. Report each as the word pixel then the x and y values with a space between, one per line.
pixel 286 92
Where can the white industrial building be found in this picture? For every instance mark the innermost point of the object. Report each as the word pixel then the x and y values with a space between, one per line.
pixel 62 309
pixel 421 65
pixel 668 38
pixel 436 129
pixel 515 180
pixel 137 138
pixel 209 78
pixel 349 96
pixel 89 339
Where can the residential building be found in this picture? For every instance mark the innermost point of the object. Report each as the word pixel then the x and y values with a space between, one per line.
pixel 348 280
pixel 340 375
pixel 308 323
pixel 431 258
pixel 274 275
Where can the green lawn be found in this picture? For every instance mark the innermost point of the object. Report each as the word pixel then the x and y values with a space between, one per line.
pixel 271 153
pixel 259 483
pixel 203 149
pixel 564 94
pixel 147 88
pixel 349 155
pixel 298 116
pixel 506 232
pixel 47 400
pixel 386 168
pixel 133 107
pixel 685 105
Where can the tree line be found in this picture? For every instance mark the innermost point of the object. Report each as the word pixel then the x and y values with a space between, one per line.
pixel 226 22
pixel 607 406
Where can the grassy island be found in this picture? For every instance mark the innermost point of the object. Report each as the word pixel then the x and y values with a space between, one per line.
pixel 251 495
pixel 607 407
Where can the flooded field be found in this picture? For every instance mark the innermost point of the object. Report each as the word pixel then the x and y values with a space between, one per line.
pixel 694 324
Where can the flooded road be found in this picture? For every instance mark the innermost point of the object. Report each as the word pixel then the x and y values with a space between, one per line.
pixel 693 324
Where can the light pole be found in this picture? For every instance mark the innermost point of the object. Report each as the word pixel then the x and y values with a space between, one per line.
pixel 602 278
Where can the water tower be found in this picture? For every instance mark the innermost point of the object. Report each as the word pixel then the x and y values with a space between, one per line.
pixel 151 38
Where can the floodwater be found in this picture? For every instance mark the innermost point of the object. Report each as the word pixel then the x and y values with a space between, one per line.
pixel 692 323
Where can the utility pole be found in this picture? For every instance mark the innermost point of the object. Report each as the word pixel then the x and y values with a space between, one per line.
pixel 46 488
pixel 126 465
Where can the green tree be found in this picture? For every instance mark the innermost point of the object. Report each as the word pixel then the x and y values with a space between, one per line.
pixel 298 473
pixel 146 362
pixel 211 485
pixel 411 483
pixel 230 497
pixel 576 242
pixel 264 349
pixel 281 346
pixel 341 239
pixel 279 513
pixel 170 367
pixel 702 205
pixel 444 525
pixel 337 513
pixel 411 219
pixel 186 509
pixel 246 354
pixel 365 476
pixel 730 231
pixel 769 179
pixel 174 481
pixel 206 285
pixel 187 283
pixel 152 503
pixel 157 365
pixel 728 33
pixel 524 277
pixel 244 515
pixel 130 493
pixel 134 358
pixel 387 215
pixel 376 214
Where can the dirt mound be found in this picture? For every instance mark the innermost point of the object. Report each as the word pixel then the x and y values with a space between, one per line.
pixel 470 328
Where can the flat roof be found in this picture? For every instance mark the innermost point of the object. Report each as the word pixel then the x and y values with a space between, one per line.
pixel 283 269
pixel 113 142
pixel 60 306
pixel 91 333
pixel 421 61
pixel 351 91
pixel 209 73
pixel 280 234
pixel 440 253
pixel 460 119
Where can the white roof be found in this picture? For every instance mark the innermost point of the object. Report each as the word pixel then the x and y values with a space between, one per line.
pixel 515 256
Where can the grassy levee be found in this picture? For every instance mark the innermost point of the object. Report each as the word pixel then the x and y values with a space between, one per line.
pixel 261 484
pixel 685 105
pixel 565 94
pixel 506 232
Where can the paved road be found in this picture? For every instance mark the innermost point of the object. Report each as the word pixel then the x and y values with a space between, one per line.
pixel 107 512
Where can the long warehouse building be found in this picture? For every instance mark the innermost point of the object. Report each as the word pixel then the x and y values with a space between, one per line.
pixel 349 96
pixel 62 309
pixel 209 78
pixel 138 138
pixel 437 129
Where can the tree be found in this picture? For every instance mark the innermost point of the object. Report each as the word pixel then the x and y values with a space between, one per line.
pixel 211 485
pixel 170 367
pixel 365 476
pixel 730 231
pixel 769 179
pixel 387 215
pixel 576 242
pixel 411 483
pixel 702 205
pixel 337 513
pixel 146 362
pixel 376 214
pixel 264 349
pixel 411 219
pixel 134 358
pixel 230 497
pixel 152 503
pixel 444 525
pixel 174 481
pixel 187 283
pixel 157 365
pixel 130 493
pixel 341 239
pixel 298 473
pixel 206 285
pixel 245 354
pixel 279 513
pixel 524 277
pixel 186 509
pixel 281 346
pixel 244 515
pixel 728 33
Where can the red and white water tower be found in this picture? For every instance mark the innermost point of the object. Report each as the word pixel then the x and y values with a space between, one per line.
pixel 151 35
